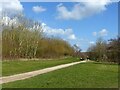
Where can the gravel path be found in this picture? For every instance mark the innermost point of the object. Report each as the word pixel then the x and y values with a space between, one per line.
pixel 26 75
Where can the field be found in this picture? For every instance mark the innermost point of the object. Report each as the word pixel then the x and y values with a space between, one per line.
pixel 15 67
pixel 85 75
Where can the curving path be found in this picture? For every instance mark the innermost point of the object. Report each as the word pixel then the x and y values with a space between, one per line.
pixel 26 75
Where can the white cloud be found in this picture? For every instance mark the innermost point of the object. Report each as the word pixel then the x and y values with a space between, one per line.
pixel 72 37
pixel 9 7
pixel 63 33
pixel 82 10
pixel 38 9
pixel 102 33
pixel 43 24
pixel 92 42
pixel 94 33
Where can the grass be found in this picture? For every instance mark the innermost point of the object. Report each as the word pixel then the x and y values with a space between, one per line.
pixel 16 67
pixel 84 75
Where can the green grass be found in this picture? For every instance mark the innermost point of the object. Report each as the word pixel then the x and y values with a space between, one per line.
pixel 84 75
pixel 15 67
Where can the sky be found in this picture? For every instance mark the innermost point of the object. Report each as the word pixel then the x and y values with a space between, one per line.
pixel 79 23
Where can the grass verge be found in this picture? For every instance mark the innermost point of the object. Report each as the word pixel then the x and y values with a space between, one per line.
pixel 16 67
pixel 84 75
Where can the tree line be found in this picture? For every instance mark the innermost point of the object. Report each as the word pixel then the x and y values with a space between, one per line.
pixel 25 42
pixel 105 51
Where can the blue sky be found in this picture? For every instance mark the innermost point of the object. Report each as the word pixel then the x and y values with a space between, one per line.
pixel 84 30
pixel 78 23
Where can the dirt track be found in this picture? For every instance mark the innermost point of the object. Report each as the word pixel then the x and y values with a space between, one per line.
pixel 26 75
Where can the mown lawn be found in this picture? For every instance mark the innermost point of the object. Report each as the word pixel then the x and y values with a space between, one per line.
pixel 84 75
pixel 15 67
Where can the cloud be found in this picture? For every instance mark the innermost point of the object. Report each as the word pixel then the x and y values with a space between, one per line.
pixel 72 37
pixel 10 7
pixel 58 32
pixel 92 42
pixel 82 10
pixel 101 33
pixel 94 33
pixel 38 9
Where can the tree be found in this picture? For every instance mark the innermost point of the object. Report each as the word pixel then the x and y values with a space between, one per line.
pixel 113 50
pixel 103 51
pixel 77 50
pixel 98 51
